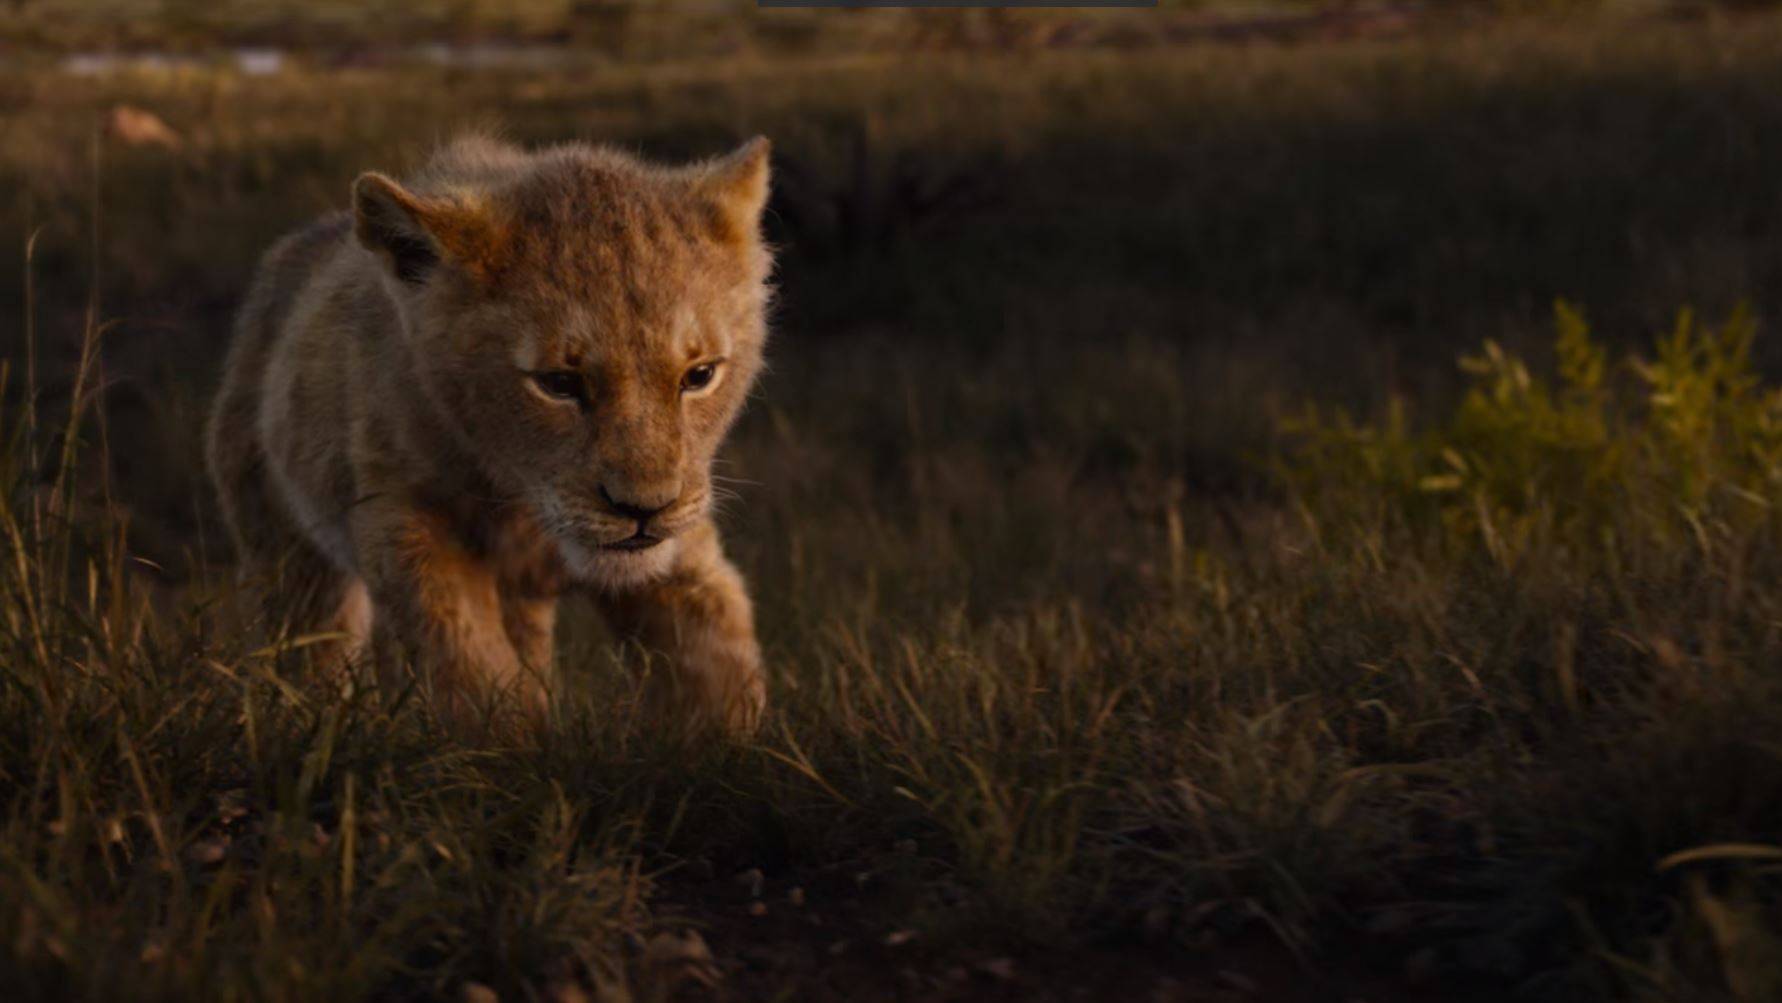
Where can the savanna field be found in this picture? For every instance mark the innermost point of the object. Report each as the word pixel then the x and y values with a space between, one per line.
pixel 1288 515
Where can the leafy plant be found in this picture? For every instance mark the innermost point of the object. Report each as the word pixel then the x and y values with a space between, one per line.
pixel 1685 443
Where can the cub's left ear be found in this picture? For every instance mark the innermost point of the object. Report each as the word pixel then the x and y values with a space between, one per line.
pixel 736 184
pixel 416 234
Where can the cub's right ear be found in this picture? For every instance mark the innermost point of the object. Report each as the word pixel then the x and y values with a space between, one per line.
pixel 415 233
pixel 387 221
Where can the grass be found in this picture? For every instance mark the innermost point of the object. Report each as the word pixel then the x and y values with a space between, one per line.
pixel 1148 592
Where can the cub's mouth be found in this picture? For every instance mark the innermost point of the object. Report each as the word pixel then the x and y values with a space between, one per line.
pixel 637 541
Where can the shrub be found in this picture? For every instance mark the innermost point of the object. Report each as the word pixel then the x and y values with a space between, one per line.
pixel 1684 446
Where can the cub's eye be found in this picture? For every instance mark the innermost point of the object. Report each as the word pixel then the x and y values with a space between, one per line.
pixel 563 384
pixel 699 377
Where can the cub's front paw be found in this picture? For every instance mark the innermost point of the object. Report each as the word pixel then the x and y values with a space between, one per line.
pixel 713 691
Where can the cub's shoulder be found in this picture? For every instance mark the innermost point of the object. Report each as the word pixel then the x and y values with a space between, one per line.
pixel 295 257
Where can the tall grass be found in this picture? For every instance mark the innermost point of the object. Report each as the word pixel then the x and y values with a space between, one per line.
pixel 1608 535
pixel 1441 698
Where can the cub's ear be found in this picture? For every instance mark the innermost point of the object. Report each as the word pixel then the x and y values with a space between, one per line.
pixel 414 233
pixel 736 184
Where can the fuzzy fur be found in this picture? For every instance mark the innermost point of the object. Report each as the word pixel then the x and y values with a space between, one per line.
pixel 382 441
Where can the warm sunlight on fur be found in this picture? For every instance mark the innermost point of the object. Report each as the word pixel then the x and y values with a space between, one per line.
pixel 498 381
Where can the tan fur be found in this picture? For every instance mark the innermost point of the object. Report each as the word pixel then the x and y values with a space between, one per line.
pixel 385 453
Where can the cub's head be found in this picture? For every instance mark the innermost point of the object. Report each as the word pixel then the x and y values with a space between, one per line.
pixel 585 324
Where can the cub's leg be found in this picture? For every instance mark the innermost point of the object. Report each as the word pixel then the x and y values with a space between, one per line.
pixel 294 590
pixel 699 618
pixel 531 624
pixel 299 594
pixel 306 595
pixel 439 609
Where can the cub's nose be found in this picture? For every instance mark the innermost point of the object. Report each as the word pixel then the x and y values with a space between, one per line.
pixel 640 507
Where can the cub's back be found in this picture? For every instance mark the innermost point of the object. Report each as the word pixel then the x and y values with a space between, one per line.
pixel 284 270
pixel 233 452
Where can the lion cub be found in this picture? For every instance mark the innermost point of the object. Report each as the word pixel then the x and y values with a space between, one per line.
pixel 500 380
